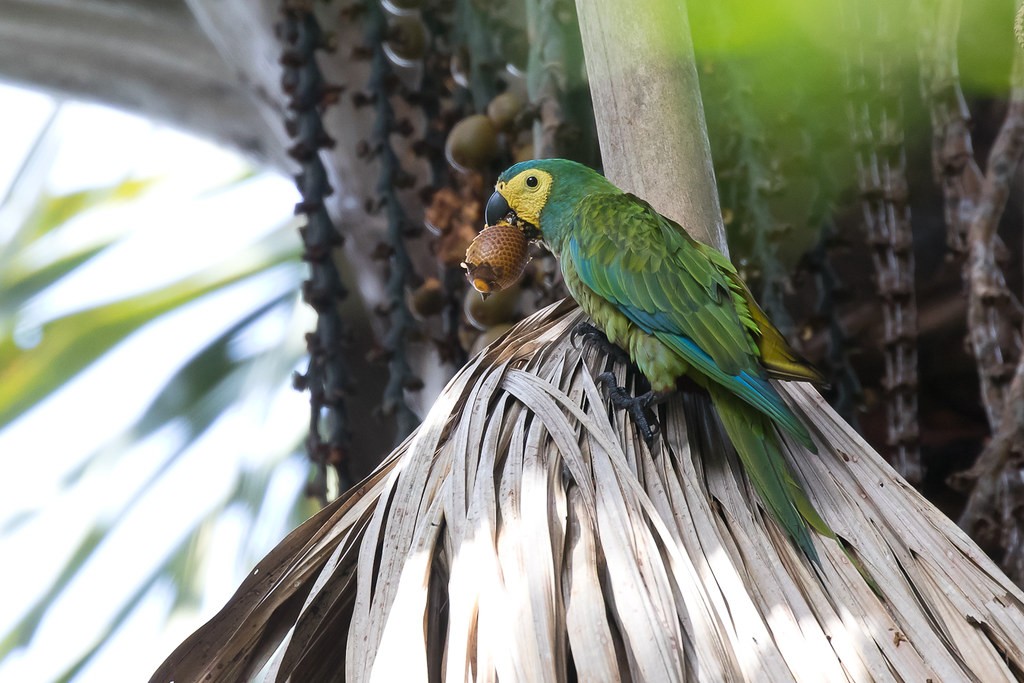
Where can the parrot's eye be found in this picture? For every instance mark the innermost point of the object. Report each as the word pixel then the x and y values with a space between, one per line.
pixel 531 181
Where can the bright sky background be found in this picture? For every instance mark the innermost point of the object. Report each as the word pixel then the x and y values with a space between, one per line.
pixel 194 217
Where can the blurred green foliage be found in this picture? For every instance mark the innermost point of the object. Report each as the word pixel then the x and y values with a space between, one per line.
pixel 36 364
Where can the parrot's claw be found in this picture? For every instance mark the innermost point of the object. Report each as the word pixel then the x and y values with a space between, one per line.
pixel 590 334
pixel 636 406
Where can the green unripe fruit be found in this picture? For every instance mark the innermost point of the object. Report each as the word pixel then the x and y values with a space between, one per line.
pixel 503 110
pixel 472 143
pixel 406 41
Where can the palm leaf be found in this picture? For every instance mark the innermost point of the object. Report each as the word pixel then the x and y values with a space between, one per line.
pixel 35 258
pixel 523 532
pixel 71 343
pixel 196 396
pixel 51 212
pixel 20 277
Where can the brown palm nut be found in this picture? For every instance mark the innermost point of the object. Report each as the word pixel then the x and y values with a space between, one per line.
pixel 497 257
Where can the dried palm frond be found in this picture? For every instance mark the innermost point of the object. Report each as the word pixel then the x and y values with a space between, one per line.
pixel 526 533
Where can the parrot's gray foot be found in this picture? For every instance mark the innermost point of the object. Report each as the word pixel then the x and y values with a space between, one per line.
pixel 590 334
pixel 636 406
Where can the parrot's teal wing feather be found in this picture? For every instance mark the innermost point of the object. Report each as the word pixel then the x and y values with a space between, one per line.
pixel 682 292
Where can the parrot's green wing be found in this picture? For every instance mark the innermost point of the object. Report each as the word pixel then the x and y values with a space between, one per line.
pixel 689 296
pixel 686 294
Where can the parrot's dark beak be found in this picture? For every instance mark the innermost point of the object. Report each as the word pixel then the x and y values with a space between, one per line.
pixel 497 209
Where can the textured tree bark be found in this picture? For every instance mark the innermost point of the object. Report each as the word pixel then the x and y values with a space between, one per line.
pixel 650 118
pixel 244 33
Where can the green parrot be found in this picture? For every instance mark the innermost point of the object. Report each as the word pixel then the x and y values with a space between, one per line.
pixel 677 307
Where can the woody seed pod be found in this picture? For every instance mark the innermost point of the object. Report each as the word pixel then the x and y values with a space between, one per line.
pixel 497 257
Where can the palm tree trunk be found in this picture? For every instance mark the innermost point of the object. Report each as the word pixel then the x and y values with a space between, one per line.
pixel 650 119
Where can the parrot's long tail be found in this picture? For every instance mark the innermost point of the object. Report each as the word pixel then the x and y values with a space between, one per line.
pixel 756 441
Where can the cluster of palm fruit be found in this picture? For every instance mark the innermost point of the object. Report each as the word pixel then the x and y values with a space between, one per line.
pixel 475 147
pixel 454 83
pixel 462 72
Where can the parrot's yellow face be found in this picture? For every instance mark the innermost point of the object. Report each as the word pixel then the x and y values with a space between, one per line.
pixel 524 194
pixel 540 196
